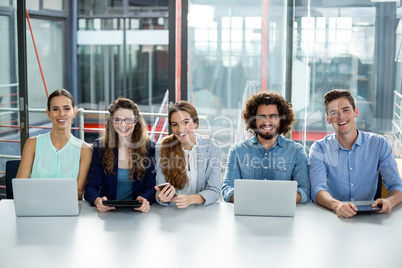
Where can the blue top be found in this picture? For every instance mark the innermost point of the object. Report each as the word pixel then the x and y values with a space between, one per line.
pixel 124 185
pixel 52 163
pixel 352 175
pixel 101 184
pixel 286 160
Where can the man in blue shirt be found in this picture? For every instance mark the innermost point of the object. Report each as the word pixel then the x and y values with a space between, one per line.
pixel 267 155
pixel 344 166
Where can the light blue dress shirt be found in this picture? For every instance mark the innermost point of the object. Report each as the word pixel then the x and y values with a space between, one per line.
pixel 286 160
pixel 352 175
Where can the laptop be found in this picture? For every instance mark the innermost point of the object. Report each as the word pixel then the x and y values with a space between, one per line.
pixel 45 197
pixel 265 197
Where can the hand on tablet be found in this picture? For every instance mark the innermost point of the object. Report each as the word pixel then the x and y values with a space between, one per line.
pixel 166 192
pixel 346 210
pixel 99 204
pixel 145 205
pixel 385 205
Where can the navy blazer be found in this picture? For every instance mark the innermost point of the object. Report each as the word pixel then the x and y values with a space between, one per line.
pixel 101 184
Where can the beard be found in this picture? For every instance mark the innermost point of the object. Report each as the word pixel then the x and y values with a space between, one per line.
pixel 267 136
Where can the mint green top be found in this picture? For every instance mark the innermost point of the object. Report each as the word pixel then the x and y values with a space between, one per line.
pixel 52 163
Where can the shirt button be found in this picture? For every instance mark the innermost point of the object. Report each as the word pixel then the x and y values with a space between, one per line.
pixel 351 184
pixel 266 167
pixel 350 152
pixel 351 168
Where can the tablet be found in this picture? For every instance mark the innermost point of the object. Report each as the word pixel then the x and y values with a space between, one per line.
pixel 367 209
pixel 122 203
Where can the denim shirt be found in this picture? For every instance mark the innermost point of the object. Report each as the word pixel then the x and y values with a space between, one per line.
pixel 286 160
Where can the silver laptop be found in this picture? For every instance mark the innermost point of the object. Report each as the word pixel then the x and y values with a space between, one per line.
pixel 45 197
pixel 265 197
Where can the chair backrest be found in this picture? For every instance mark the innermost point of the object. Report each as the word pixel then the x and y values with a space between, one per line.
pixel 11 172
pixel 382 192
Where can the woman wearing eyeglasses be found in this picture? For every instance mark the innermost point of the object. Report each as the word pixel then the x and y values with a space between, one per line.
pixel 122 165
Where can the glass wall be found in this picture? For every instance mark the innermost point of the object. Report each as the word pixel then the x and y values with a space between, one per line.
pixel 48 29
pixel 226 44
pixel 8 86
pixel 339 46
pixel 49 42
pixel 8 74
pixel 397 106
pixel 122 56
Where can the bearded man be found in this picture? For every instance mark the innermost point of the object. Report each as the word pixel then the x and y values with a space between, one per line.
pixel 267 155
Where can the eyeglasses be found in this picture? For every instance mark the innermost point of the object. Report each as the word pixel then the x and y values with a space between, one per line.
pixel 128 121
pixel 273 117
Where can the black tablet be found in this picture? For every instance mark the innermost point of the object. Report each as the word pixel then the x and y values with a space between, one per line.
pixel 365 209
pixel 122 203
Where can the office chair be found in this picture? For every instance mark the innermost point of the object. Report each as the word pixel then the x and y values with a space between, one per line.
pixel 378 194
pixel 11 172
pixel 382 192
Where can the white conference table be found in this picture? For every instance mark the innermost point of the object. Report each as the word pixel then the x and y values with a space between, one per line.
pixel 199 237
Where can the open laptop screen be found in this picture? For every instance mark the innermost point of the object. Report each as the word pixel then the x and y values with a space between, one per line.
pixel 45 197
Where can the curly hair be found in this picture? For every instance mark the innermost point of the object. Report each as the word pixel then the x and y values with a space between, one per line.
pixel 286 115
pixel 138 145
pixel 337 94
pixel 173 162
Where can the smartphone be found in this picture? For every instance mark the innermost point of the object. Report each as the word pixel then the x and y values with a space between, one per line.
pixel 163 185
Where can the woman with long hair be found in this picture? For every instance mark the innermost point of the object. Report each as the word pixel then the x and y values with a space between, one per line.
pixel 187 163
pixel 57 154
pixel 122 165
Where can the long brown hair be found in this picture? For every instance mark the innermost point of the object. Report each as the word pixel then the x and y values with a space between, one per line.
pixel 173 162
pixel 138 144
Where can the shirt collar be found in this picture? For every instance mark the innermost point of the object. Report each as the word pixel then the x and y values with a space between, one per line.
pixel 335 145
pixel 279 141
pixel 195 145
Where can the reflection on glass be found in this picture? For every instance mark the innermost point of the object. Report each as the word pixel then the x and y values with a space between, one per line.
pixel 5 3
pixel 8 93
pixel 49 42
pixel 335 49
pixel 32 4
pixel 100 7
pixel 107 70
pixel 53 4
pixel 225 48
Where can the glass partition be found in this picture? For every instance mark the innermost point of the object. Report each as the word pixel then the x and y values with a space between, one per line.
pixel 343 46
pixel 49 42
pixel 123 56
pixel 226 44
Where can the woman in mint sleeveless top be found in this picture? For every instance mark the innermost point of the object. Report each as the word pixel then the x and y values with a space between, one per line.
pixel 57 154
